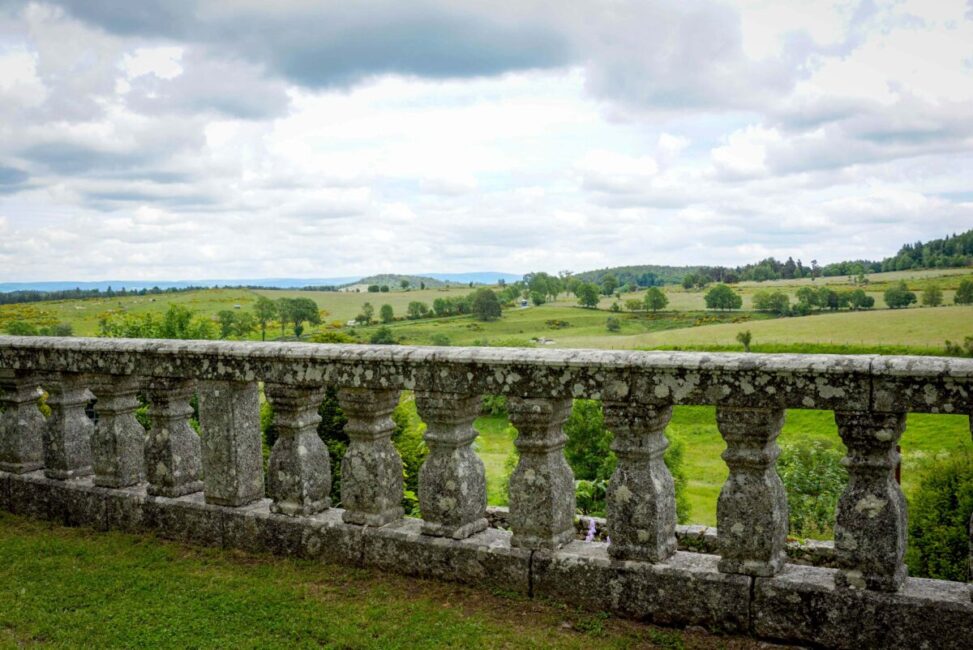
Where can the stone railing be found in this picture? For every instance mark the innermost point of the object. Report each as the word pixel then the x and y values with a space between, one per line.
pixel 109 473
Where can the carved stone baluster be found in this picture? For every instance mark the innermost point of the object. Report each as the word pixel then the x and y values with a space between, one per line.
pixel 371 471
pixel 67 436
pixel 641 508
pixel 299 475
pixel 870 523
pixel 21 423
pixel 229 418
pixel 542 486
pixel 118 443
pixel 452 481
pixel 172 449
pixel 751 512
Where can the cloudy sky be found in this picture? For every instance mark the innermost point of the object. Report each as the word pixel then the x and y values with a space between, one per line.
pixel 176 139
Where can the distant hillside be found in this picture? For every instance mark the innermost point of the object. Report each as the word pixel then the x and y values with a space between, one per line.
pixel 394 281
pixel 435 280
pixel 645 275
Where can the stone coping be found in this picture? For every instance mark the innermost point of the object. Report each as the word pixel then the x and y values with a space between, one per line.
pixel 832 382
pixel 800 605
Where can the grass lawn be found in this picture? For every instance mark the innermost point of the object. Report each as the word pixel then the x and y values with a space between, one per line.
pixel 66 587
pixel 926 435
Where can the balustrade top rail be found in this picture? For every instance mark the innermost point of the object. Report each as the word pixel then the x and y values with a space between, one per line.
pixel 819 381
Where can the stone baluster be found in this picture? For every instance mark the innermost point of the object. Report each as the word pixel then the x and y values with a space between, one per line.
pixel 751 512
pixel 229 418
pixel 172 448
pixel 542 486
pixel 870 522
pixel 118 443
pixel 299 474
pixel 452 481
pixel 641 508
pixel 371 471
pixel 21 423
pixel 67 436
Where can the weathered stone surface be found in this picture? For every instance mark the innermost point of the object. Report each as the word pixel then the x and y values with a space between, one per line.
pixel 172 449
pixel 4 491
pixel 323 536
pixel 452 480
pixel 127 511
pixel 870 522
pixel 118 442
pixel 21 423
pixel 831 382
pixel 686 589
pixel 371 470
pixel 802 605
pixel 229 418
pixel 641 501
pixel 485 559
pixel 67 436
pixel 542 485
pixel 185 519
pixel 78 502
pixel 29 495
pixel 299 472
pixel 752 509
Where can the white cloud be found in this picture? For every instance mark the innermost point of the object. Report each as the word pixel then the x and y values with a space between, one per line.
pixel 237 140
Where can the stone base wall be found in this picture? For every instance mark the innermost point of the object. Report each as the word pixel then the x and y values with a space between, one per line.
pixel 799 605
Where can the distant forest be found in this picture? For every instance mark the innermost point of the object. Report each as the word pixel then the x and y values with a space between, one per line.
pixel 949 252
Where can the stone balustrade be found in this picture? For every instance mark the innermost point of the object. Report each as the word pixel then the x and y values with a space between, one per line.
pixel 210 487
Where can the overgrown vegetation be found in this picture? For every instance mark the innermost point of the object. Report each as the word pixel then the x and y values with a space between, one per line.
pixel 939 516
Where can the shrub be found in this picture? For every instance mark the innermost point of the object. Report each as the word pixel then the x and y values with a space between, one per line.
pixel 21 328
pixel 613 324
pixel 776 302
pixel 814 479
pixel 495 405
pixel 964 294
pixel 408 441
pixel 722 297
pixel 939 516
pixel 655 299
pixel 382 336
pixel 332 337
pixel 899 296
pixel 745 338
pixel 932 296
pixel 485 305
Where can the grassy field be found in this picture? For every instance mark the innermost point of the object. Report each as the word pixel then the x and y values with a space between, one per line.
pixel 74 588
pixel 921 328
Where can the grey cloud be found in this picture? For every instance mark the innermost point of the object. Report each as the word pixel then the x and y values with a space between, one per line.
pixel 12 180
pixel 337 44
pixel 232 88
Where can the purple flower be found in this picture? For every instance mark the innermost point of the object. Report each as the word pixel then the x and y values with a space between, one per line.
pixel 590 537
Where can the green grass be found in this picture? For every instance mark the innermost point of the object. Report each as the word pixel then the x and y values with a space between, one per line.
pixel 494 445
pixel 907 328
pixel 67 587
pixel 926 435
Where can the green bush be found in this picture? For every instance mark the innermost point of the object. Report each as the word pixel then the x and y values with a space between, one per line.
pixel 407 439
pixel 939 516
pixel 814 479
pixel 382 336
